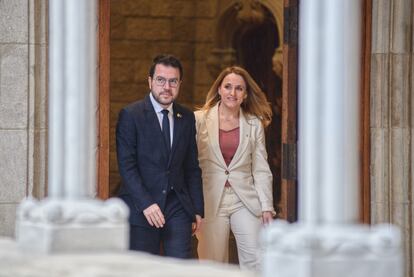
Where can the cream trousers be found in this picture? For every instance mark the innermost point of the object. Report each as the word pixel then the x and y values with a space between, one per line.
pixel 213 238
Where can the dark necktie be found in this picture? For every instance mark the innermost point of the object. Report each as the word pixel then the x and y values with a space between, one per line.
pixel 166 129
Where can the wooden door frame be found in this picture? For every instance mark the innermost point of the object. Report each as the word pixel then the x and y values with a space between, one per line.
pixel 288 204
pixel 365 111
pixel 287 208
pixel 104 98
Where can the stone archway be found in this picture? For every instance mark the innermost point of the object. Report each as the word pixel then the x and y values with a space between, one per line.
pixel 231 17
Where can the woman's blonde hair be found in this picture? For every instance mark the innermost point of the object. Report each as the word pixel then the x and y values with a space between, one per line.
pixel 255 104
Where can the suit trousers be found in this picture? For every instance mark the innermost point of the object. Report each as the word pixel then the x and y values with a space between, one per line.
pixel 174 239
pixel 213 239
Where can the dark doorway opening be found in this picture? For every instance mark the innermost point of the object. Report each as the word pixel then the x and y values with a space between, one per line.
pixel 255 45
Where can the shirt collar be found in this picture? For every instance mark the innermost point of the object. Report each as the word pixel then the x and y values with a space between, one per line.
pixel 157 106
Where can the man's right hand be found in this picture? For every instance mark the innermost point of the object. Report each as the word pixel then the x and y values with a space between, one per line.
pixel 154 216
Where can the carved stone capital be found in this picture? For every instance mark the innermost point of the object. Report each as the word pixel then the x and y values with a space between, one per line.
pixel 250 11
pixel 277 62
pixel 60 212
pixel 331 250
pixel 332 240
pixel 63 225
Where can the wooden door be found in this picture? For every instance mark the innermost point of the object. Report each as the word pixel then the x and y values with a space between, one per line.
pixel 287 207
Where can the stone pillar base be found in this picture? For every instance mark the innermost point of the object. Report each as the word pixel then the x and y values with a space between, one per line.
pixel 61 225
pixel 298 250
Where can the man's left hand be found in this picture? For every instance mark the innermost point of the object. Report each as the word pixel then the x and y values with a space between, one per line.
pixel 197 224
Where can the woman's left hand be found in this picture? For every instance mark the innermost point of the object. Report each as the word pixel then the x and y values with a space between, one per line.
pixel 267 217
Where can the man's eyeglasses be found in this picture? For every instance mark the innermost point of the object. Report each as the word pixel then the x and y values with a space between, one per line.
pixel 160 81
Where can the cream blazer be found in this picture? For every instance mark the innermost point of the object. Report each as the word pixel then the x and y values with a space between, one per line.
pixel 248 173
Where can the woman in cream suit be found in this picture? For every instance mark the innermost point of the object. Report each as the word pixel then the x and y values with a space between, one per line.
pixel 237 181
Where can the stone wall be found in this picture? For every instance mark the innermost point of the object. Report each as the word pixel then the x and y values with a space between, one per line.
pixel 23 131
pixel 142 29
pixel 392 118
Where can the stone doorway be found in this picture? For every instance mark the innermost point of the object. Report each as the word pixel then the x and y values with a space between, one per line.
pixel 248 33
pixel 135 23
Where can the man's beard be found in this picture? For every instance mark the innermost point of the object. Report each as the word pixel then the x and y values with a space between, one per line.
pixel 160 100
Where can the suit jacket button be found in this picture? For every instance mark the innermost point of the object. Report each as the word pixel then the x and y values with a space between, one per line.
pixel 164 191
pixel 226 172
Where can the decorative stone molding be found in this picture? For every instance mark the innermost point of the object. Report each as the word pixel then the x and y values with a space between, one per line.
pixel 328 249
pixel 277 61
pixel 58 211
pixel 62 225
pixel 250 11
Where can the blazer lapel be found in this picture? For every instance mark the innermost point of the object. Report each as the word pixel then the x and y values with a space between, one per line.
pixel 212 124
pixel 154 126
pixel 178 125
pixel 244 137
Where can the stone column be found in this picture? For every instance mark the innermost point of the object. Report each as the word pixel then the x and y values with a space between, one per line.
pixel 327 241
pixel 328 111
pixel 72 97
pixel 68 220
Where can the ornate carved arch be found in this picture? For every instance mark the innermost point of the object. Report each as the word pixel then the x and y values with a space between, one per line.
pixel 231 18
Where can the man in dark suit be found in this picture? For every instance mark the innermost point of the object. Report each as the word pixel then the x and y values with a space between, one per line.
pixel 157 158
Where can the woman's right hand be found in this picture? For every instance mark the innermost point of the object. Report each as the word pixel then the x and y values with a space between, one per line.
pixel 267 217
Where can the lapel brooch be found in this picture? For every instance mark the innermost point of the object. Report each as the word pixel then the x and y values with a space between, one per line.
pixel 179 115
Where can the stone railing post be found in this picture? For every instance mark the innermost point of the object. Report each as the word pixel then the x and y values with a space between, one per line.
pixel 69 219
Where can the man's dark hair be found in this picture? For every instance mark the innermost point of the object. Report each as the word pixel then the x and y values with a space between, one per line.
pixel 167 60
